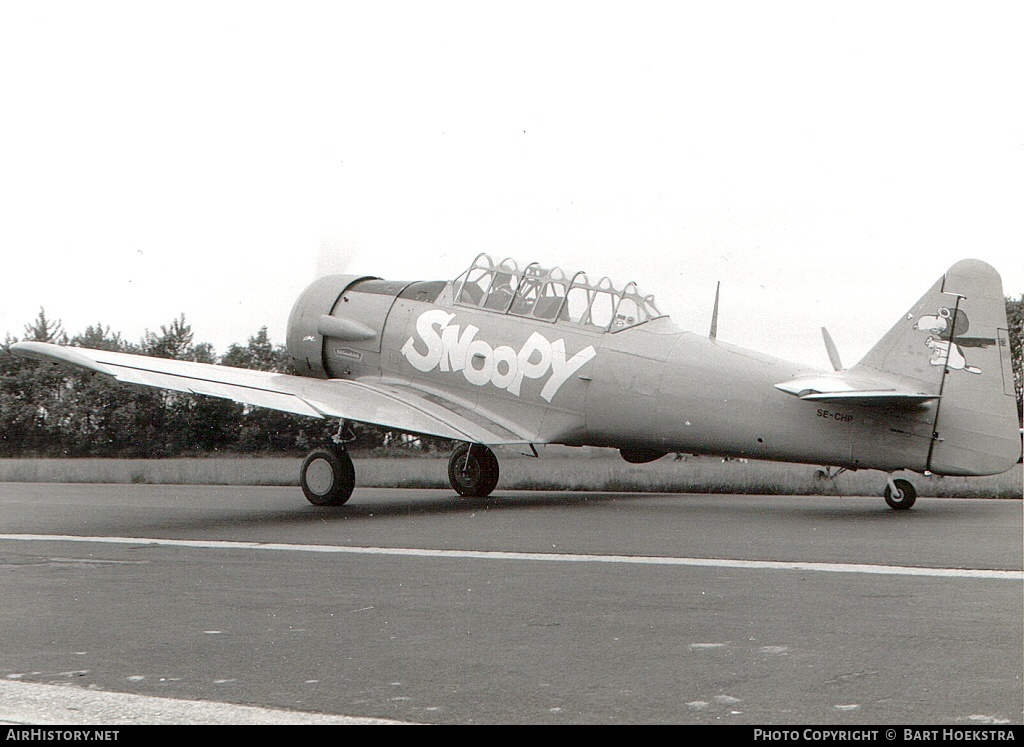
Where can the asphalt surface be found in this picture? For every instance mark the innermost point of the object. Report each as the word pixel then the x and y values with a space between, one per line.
pixel 161 604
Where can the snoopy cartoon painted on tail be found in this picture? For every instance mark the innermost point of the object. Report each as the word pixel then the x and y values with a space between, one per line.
pixel 949 327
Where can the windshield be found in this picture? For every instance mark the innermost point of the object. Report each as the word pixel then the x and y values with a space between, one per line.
pixel 553 295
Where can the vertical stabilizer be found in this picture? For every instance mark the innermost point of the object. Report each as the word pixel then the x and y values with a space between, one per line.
pixel 955 343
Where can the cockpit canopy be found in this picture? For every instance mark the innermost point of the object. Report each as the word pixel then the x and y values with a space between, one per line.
pixel 553 295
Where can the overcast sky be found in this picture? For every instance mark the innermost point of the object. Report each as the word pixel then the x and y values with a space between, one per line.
pixel 826 162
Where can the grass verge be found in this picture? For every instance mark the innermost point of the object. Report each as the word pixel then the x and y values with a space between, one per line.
pixel 603 473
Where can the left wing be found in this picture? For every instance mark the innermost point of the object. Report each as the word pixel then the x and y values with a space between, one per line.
pixel 389 403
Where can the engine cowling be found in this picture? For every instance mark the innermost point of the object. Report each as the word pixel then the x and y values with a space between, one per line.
pixel 307 329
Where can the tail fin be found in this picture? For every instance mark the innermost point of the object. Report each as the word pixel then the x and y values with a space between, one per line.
pixel 955 343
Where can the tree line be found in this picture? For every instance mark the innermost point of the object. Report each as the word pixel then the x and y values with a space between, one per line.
pixel 50 410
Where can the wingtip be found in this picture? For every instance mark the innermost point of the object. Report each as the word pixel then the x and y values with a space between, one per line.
pixel 51 353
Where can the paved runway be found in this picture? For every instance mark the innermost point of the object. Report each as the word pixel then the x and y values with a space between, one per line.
pixel 531 607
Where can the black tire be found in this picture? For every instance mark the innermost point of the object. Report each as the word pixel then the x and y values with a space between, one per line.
pixel 906 497
pixel 327 477
pixel 473 471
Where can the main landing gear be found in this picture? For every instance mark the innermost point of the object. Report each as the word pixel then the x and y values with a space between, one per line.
pixel 473 471
pixel 327 475
pixel 899 494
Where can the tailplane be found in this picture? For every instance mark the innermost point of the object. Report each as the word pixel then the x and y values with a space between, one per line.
pixel 955 344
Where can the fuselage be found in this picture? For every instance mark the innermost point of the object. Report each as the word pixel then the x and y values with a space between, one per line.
pixel 651 388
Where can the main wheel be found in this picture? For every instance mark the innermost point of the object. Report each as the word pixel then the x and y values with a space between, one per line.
pixel 473 471
pixel 904 497
pixel 327 477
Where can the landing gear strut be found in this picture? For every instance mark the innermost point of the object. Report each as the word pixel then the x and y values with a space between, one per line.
pixel 900 494
pixel 473 471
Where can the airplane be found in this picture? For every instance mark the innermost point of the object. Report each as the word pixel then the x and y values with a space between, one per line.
pixel 507 354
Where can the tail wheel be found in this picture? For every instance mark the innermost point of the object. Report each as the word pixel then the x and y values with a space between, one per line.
pixel 327 477
pixel 473 471
pixel 903 497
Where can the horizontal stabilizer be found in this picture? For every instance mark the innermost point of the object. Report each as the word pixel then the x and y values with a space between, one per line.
pixel 838 388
